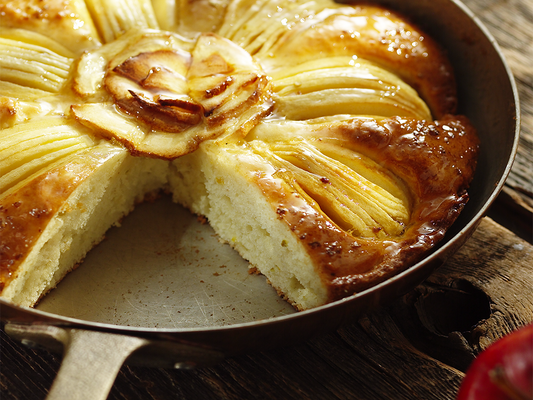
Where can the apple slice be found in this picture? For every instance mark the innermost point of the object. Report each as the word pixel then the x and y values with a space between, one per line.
pixel 33 65
pixel 344 85
pixel 114 18
pixel 30 148
pixel 65 22
pixel 354 203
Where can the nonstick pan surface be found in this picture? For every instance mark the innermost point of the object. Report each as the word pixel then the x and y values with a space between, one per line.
pixel 164 276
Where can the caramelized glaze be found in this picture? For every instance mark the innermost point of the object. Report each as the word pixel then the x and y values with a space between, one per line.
pixel 435 160
pixel 25 213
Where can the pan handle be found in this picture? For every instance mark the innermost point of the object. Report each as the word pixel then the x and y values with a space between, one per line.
pixel 91 359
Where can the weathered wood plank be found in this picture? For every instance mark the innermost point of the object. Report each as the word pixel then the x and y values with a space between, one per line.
pixel 482 293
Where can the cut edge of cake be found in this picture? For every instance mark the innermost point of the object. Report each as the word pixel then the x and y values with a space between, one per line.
pixel 221 188
pixel 116 182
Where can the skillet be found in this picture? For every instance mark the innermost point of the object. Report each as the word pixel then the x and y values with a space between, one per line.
pixel 208 308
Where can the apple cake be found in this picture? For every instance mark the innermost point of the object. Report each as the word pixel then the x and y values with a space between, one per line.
pixel 320 140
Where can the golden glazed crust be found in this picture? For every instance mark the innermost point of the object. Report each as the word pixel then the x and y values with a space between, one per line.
pixel 25 213
pixel 435 160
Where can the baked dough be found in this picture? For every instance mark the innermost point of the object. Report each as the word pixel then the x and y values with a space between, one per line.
pixel 319 140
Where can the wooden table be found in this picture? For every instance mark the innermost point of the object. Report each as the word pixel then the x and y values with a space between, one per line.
pixel 416 348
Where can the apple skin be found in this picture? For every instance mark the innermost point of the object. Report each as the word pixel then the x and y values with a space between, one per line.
pixel 503 371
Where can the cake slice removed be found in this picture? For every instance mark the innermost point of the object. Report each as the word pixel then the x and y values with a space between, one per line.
pixel 219 183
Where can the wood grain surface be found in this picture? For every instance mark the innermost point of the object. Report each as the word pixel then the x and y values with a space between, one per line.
pixel 417 347
pixel 511 24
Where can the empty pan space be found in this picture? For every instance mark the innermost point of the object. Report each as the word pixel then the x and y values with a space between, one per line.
pixel 164 268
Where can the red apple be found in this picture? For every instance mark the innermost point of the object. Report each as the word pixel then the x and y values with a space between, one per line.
pixel 503 371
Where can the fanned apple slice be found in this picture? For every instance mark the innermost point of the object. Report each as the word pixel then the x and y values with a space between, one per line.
pixel 37 39
pixel 34 61
pixel 33 65
pixel 34 71
pixel 31 148
pixel 378 35
pixel 351 201
pixel 11 91
pixel 415 150
pixel 256 25
pixel 279 33
pixel 344 85
pixel 114 18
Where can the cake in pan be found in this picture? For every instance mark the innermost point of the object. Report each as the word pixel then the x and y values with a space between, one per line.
pixel 320 140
